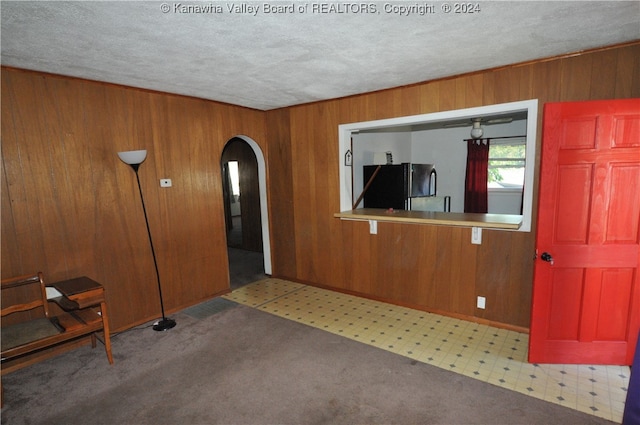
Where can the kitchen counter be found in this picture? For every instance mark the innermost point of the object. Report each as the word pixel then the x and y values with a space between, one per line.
pixel 490 221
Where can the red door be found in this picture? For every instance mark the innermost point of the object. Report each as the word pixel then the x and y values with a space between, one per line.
pixel 586 293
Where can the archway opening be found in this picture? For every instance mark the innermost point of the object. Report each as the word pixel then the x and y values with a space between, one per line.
pixel 246 213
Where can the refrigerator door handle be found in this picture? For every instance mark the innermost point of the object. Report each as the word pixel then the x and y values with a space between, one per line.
pixel 433 183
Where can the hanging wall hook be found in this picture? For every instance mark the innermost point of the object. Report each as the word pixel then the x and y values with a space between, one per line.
pixel 348 158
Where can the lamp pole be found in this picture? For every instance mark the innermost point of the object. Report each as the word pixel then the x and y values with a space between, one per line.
pixel 164 324
pixel 134 159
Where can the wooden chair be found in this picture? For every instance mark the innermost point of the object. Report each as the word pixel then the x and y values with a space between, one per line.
pixel 41 334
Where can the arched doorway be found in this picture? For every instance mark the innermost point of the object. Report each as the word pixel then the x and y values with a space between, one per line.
pixel 246 212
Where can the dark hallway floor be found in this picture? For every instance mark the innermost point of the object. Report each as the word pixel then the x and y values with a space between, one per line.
pixel 245 267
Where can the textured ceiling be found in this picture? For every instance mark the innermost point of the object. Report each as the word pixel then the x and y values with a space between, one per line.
pixel 257 57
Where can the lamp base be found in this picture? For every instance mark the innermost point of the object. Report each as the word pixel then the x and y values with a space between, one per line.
pixel 164 324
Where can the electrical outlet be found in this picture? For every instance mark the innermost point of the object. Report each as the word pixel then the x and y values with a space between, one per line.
pixel 476 235
pixel 373 227
pixel 481 302
pixel 165 182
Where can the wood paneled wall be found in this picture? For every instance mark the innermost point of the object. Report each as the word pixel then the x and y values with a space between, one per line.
pixel 70 207
pixel 430 267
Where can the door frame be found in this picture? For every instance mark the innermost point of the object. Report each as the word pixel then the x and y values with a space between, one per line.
pixel 264 205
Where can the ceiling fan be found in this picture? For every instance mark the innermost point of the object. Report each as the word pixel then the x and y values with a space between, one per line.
pixel 476 124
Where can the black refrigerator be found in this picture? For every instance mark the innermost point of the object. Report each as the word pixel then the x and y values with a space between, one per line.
pixel 403 186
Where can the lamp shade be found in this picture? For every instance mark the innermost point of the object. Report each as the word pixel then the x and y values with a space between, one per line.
pixel 133 157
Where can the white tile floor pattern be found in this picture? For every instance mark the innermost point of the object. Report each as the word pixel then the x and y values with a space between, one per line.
pixel 492 355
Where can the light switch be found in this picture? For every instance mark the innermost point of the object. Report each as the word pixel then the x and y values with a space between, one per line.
pixel 165 182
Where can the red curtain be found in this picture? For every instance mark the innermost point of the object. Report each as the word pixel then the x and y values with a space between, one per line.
pixel 475 193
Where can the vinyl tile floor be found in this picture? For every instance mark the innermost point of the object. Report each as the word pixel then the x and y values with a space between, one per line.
pixel 490 354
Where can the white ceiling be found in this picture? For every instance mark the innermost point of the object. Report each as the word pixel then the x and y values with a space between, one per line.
pixel 272 60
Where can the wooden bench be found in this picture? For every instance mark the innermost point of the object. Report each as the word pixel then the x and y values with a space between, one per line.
pixel 38 334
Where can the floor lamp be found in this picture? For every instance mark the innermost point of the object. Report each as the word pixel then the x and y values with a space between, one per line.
pixel 134 159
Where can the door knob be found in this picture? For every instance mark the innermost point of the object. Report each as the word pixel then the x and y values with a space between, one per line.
pixel 547 257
